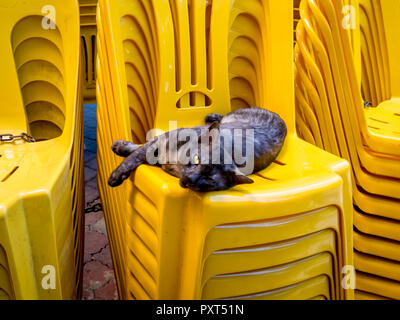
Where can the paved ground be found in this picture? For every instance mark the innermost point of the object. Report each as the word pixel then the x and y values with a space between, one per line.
pixel 98 272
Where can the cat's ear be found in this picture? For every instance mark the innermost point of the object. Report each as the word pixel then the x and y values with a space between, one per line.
pixel 214 126
pixel 239 177
pixel 211 134
pixel 242 179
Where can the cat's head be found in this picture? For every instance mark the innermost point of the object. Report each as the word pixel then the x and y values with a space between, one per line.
pixel 204 175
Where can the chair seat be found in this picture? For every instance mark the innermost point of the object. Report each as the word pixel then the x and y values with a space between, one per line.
pixel 384 120
pixel 291 187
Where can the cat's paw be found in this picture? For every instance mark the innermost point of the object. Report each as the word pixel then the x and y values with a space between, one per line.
pixel 124 148
pixel 116 180
pixel 214 117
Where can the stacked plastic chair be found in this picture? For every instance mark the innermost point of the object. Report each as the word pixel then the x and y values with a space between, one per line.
pixel 330 114
pixel 375 61
pixel 288 235
pixel 296 17
pixel 88 34
pixel 41 182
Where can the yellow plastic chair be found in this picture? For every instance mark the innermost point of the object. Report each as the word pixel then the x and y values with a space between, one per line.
pixel 388 12
pixel 380 137
pixel 375 66
pixel 278 231
pixel 277 254
pixel 115 221
pixel 361 295
pixel 41 183
pixel 384 268
pixel 329 5
pixel 296 17
pixel 88 42
pixel 307 106
pixel 317 288
pixel 361 199
pixel 370 203
pixel 378 286
pixel 380 166
pixel 87 10
pixel 304 87
pixel 88 35
pixel 373 225
pixel 385 248
pixel 321 77
pixel 162 261
pixel 371 27
pixel 360 174
pixel 239 284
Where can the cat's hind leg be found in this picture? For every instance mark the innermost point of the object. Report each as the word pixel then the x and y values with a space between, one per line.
pixel 213 117
pixel 124 148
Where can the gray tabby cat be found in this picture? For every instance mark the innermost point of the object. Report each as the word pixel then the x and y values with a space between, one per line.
pixel 208 162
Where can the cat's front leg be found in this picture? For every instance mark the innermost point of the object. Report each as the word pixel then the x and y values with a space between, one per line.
pixel 130 164
pixel 124 148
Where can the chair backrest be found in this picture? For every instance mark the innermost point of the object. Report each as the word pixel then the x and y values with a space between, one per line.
pixel 181 60
pixel 332 69
pixel 365 26
pixel 36 86
pixel 374 55
pixel 391 14
pixel 320 62
pixel 88 23
pixel 351 20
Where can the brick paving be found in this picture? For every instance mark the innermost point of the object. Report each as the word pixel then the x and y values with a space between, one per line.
pixel 98 273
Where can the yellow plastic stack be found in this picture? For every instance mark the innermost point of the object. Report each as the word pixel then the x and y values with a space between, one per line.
pixel 41 183
pixel 288 235
pixel 296 17
pixel 89 50
pixel 330 114
pixel 375 63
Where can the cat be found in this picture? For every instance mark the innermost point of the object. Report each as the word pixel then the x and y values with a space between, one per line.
pixel 211 164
